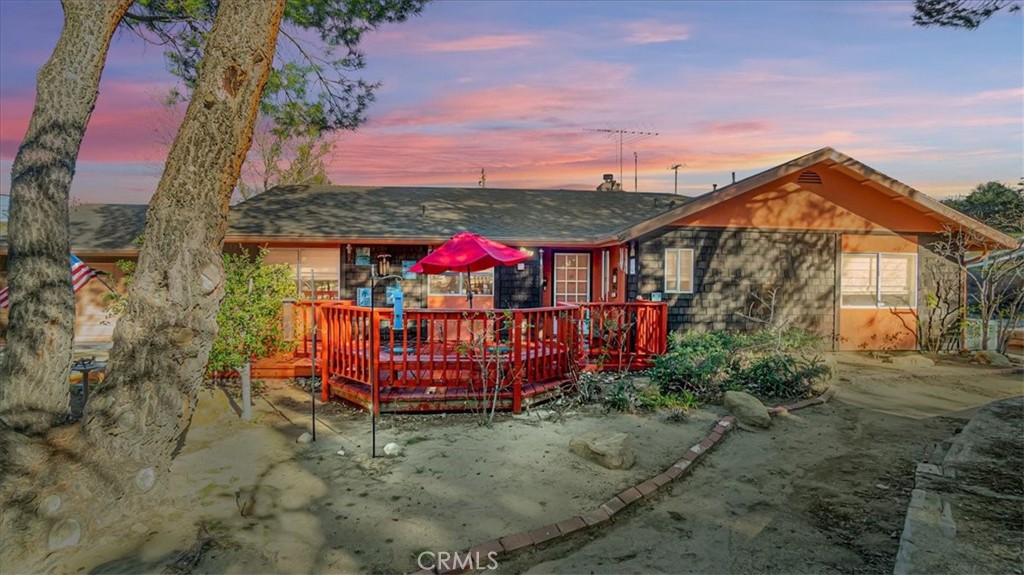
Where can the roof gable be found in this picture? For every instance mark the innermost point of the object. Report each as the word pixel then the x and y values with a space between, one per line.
pixel 851 196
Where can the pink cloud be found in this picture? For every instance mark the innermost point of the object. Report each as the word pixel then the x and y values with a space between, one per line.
pixel 655 31
pixel 480 43
pixel 128 124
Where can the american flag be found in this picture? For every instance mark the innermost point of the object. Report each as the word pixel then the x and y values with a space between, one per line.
pixel 80 275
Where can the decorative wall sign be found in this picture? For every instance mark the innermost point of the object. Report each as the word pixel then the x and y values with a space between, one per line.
pixel 363 257
pixel 406 264
pixel 363 297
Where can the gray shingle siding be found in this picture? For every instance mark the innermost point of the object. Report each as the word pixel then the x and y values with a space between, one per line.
pixel 518 289
pixel 731 265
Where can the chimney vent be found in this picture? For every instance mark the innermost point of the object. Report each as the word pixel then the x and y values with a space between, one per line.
pixel 609 184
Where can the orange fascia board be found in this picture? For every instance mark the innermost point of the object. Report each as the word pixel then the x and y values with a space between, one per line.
pixel 836 160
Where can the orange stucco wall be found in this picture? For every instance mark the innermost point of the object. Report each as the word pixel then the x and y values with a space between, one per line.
pixel 839 203
pixel 861 329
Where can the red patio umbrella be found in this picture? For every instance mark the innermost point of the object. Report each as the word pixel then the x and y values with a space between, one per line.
pixel 468 252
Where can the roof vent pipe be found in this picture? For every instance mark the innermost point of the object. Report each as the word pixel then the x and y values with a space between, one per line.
pixel 734 177
pixel 714 187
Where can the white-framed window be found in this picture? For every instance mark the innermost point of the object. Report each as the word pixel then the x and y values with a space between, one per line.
pixel 678 270
pixel 572 278
pixel 879 280
pixel 452 283
pixel 308 264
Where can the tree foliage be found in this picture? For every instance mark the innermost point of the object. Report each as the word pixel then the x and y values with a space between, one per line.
pixel 967 14
pixel 249 319
pixel 310 87
pixel 278 159
pixel 995 204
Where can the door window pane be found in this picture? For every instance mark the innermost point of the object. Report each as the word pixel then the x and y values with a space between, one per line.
pixel 572 278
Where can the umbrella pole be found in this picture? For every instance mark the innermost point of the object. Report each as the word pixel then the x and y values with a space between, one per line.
pixel 469 287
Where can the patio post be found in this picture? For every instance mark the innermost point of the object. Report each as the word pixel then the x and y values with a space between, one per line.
pixel 518 363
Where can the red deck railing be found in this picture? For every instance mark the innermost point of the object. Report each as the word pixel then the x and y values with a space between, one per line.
pixel 624 335
pixel 475 354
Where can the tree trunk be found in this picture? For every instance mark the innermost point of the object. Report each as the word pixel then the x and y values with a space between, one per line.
pixel 38 360
pixel 57 490
pixel 162 343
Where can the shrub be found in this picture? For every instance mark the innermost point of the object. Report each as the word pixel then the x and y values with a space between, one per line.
pixel 626 397
pixel 780 375
pixel 697 362
pixel 764 363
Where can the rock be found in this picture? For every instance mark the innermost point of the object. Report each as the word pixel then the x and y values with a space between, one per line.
pixel 747 409
pixel 139 528
pixel 989 357
pixel 145 479
pixel 341 452
pixel 544 414
pixel 305 438
pixel 257 500
pixel 641 382
pixel 64 534
pixel 915 361
pixel 610 450
pixel 49 507
pixel 392 450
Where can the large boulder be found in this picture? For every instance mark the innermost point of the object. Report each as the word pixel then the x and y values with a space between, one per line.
pixel 611 450
pixel 989 357
pixel 747 409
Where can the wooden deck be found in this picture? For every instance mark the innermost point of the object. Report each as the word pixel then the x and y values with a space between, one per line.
pixel 452 360
pixel 442 360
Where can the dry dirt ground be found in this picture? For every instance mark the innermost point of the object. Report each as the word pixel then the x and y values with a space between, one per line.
pixel 824 490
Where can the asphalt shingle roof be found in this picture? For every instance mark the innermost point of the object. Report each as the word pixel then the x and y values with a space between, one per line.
pixel 397 213
pixel 99 228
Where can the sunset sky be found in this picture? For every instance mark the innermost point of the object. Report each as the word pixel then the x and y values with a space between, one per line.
pixel 519 88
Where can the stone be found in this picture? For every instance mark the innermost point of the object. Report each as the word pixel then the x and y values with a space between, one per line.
pixel 544 414
pixel 914 361
pixel 747 409
pixel 49 507
pixel 990 357
pixel 305 438
pixel 145 479
pixel 392 450
pixel 609 450
pixel 64 534
pixel 641 383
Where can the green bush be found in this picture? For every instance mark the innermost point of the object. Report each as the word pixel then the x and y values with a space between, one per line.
pixel 697 362
pixel 765 363
pixel 626 397
pixel 779 375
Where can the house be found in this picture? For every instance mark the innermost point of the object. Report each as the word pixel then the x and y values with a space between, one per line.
pixel 822 241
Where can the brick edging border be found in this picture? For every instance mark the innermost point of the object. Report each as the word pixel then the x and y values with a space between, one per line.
pixel 604 513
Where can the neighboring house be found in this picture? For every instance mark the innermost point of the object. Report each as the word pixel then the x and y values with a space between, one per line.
pixel 844 248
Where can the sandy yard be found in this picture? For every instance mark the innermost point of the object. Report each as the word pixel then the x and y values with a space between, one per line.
pixel 824 490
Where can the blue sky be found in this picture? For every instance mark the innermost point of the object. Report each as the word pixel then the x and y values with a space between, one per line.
pixel 516 87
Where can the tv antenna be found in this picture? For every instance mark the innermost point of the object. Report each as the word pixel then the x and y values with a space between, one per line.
pixel 675 168
pixel 624 137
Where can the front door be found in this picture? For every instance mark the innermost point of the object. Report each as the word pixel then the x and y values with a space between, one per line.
pixel 572 278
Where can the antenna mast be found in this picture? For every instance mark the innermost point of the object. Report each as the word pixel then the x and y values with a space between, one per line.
pixel 625 137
